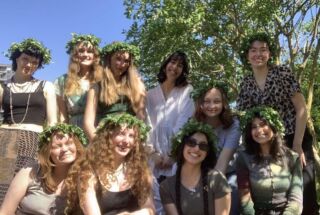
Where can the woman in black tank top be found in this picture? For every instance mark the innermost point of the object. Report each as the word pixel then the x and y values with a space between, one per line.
pixel 28 104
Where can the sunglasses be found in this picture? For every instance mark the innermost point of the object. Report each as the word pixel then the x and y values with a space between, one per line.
pixel 193 143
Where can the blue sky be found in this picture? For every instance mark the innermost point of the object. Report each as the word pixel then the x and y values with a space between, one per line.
pixel 53 21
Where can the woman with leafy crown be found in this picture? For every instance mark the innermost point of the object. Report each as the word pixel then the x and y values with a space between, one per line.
pixel 269 174
pixel 84 70
pixel 212 107
pixel 114 176
pixel 120 90
pixel 28 105
pixel 275 86
pixel 43 188
pixel 196 188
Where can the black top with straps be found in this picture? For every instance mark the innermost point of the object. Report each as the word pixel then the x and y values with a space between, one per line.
pixel 36 114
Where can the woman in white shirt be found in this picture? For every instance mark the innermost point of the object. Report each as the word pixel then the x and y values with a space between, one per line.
pixel 169 106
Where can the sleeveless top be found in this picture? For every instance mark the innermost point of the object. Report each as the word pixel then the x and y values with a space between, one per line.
pixel 123 105
pixel 37 112
pixel 112 203
pixel 37 202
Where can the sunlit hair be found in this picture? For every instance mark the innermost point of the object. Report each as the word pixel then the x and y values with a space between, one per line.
pixel 207 164
pixel 100 162
pixel 277 149
pixel 47 165
pixel 176 56
pixel 225 116
pixel 72 86
pixel 131 85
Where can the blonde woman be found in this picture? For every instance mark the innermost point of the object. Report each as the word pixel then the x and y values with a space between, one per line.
pixel 115 178
pixel 28 104
pixel 121 89
pixel 42 189
pixel 84 69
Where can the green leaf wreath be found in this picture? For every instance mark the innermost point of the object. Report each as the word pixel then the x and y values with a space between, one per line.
pixel 121 46
pixel 79 38
pixel 31 45
pixel 46 134
pixel 193 126
pixel 266 113
pixel 129 120
pixel 200 88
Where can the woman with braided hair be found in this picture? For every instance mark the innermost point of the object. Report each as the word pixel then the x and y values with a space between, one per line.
pixel 196 188
pixel 42 188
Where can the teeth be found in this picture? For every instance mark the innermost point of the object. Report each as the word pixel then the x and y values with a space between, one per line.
pixel 194 155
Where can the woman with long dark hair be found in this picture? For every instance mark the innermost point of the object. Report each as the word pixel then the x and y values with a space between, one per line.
pixel 196 188
pixel 269 174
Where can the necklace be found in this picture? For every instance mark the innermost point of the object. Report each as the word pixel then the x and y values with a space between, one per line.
pixel 11 108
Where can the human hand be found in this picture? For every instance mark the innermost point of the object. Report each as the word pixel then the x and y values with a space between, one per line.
pixel 299 150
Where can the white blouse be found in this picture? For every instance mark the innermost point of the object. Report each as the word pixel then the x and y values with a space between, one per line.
pixel 167 117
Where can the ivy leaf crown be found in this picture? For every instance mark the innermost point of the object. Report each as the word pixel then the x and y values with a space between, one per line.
pixel 191 127
pixel 31 45
pixel 79 38
pixel 121 46
pixel 118 119
pixel 201 87
pixel 46 134
pixel 264 112
pixel 247 42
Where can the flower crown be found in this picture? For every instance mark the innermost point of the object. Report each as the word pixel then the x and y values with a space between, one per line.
pixel 266 113
pixel 46 134
pixel 247 42
pixel 121 46
pixel 191 127
pixel 129 120
pixel 31 45
pixel 79 38
pixel 200 88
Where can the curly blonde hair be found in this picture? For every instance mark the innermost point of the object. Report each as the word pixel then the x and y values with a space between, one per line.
pixel 131 85
pixel 72 86
pixel 99 161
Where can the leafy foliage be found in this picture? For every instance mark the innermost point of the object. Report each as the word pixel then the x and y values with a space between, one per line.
pixel 79 38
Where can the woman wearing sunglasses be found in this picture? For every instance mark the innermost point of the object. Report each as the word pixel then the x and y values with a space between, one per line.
pixel 196 188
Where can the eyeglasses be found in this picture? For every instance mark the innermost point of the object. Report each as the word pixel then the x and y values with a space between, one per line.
pixel 193 143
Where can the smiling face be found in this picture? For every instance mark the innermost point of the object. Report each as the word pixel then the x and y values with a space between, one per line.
pixel 212 105
pixel 123 141
pixel 174 69
pixel 27 65
pixel 63 150
pixel 261 132
pixel 259 54
pixel 195 149
pixel 120 62
pixel 85 54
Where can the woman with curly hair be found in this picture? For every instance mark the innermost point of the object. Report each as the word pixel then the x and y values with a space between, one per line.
pixel 114 177
pixel 269 173
pixel 84 70
pixel 28 105
pixel 275 86
pixel 42 189
pixel 120 90
pixel 196 188
pixel 212 107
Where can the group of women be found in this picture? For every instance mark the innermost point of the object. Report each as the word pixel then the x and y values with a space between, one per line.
pixel 185 164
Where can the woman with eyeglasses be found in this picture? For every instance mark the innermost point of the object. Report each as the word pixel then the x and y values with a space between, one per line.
pixel 196 188
pixel 28 104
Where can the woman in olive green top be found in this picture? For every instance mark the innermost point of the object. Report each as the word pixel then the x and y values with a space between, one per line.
pixel 196 188
pixel 42 189
pixel 269 174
